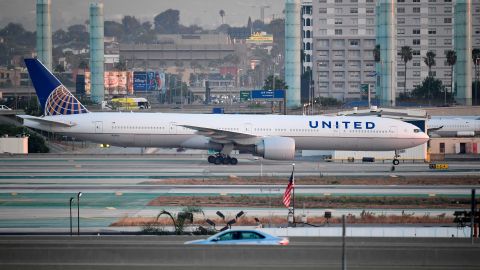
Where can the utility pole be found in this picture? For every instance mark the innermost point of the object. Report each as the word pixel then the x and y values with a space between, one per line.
pixel 472 215
pixel 344 255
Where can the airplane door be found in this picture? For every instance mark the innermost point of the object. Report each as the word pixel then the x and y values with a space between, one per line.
pixel 172 128
pixel 248 128
pixel 394 130
pixel 98 127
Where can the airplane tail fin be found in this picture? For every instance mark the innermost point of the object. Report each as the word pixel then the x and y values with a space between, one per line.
pixel 53 96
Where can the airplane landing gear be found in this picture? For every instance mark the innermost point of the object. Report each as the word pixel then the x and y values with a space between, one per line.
pixel 395 160
pixel 222 159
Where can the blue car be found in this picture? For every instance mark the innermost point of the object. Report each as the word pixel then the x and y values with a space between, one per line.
pixel 241 237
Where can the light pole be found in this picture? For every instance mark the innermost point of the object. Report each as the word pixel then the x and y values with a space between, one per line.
pixel 79 194
pixel 71 229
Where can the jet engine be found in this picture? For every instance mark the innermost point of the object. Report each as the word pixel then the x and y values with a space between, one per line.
pixel 276 148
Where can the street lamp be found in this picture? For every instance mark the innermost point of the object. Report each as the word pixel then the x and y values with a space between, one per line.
pixel 79 194
pixel 71 230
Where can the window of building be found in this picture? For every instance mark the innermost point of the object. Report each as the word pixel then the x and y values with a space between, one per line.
pixel 369 43
pixel 416 1
pixel 448 31
pixel 432 42
pixel 416 73
pixel 370 31
pixel 401 10
pixel 432 21
pixel 369 64
pixel 338 32
pixel 416 31
pixel 370 21
pixel 401 73
pixel 448 10
pixel 338 1
pixel 353 10
pixel 354 21
pixel 308 34
pixel 354 31
pixel 307 22
pixel 433 73
pixel 323 42
pixel 340 43
pixel 322 64
pixel 338 74
pixel 354 53
pixel 322 22
pixel 432 1
pixel 370 10
pixel 338 21
pixel 442 148
pixel 322 10
pixel 416 52
pixel 354 74
pixel 323 85
pixel 400 20
pixel 338 64
pixel 416 10
pixel 354 64
pixel 322 1
pixel 338 85
pixel 307 58
pixel 354 42
pixel 447 20
pixel 416 21
pixel 308 46
pixel 432 10
pixel 416 63
pixel 401 31
pixel 401 84
pixel 432 31
pixel 339 53
pixel 353 1
pixel 416 42
pixel 323 74
pixel 401 42
pixel 322 53
pixel 322 32
pixel 447 42
pixel 338 11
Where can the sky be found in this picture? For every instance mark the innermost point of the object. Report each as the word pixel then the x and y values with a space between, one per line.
pixel 202 12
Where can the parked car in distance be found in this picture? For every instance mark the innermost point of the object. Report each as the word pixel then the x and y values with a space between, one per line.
pixel 4 108
pixel 241 237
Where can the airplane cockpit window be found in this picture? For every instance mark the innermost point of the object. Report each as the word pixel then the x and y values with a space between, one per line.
pixel 416 130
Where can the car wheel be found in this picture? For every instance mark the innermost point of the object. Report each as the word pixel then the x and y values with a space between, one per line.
pixel 233 161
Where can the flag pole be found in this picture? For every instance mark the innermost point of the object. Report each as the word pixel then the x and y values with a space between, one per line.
pixel 293 191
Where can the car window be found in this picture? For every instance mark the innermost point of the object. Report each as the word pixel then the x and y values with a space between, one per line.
pixel 230 236
pixel 251 235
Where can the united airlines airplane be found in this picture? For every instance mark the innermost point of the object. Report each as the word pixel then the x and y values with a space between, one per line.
pixel 457 126
pixel 273 137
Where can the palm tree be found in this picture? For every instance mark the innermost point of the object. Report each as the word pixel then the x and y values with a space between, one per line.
pixel 430 62
pixel 451 56
pixel 222 14
pixel 406 54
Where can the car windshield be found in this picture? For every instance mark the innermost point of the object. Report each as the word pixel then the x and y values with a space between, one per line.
pixel 239 235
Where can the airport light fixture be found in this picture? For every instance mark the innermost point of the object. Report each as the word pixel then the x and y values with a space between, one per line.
pixel 71 227
pixel 220 215
pixel 79 194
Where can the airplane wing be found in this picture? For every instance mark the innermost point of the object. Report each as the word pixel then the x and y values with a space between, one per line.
pixel 224 136
pixel 47 121
pixel 435 129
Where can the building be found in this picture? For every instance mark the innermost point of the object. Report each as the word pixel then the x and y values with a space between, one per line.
pixel 13 77
pixel 13 145
pixel 307 35
pixel 178 50
pixel 344 40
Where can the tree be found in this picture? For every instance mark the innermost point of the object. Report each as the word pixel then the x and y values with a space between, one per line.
pixel 430 62
pixel 406 54
pixel 167 22
pixel 279 83
pixel 121 66
pixel 451 56
pixel 222 14
pixel 430 89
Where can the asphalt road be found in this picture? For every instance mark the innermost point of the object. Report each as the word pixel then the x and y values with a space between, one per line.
pixel 154 252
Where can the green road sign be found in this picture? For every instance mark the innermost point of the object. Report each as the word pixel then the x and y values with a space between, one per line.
pixel 245 95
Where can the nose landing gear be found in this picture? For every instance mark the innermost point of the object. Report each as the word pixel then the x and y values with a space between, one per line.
pixel 395 160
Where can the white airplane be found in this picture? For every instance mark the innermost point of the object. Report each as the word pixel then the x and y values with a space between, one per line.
pixel 273 137
pixel 453 126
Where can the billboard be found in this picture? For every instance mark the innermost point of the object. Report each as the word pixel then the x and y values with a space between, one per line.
pixel 148 81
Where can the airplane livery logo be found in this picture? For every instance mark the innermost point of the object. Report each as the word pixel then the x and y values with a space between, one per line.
pixel 62 102
pixel 341 124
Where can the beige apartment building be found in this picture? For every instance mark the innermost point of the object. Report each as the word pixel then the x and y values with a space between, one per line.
pixel 343 34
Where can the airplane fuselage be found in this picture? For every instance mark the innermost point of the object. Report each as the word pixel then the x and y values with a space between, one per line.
pixel 172 130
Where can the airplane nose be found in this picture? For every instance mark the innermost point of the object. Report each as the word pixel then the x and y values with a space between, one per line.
pixel 425 137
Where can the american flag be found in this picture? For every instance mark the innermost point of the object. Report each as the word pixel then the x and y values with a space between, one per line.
pixel 287 196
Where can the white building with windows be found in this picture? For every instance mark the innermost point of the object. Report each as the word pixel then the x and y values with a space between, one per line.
pixel 307 35
pixel 344 40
